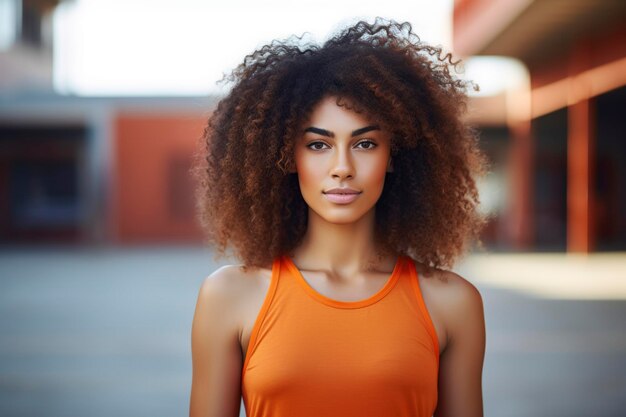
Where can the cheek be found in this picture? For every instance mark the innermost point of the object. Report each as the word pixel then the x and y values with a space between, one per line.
pixel 310 172
pixel 375 170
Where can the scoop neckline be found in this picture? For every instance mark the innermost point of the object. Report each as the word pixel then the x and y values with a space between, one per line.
pixel 382 292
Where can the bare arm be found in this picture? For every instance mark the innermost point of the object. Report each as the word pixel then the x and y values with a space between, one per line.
pixel 215 350
pixel 461 363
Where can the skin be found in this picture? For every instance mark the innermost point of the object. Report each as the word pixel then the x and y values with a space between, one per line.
pixel 340 237
pixel 337 259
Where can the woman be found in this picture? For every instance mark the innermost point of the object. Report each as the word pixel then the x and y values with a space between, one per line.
pixel 343 178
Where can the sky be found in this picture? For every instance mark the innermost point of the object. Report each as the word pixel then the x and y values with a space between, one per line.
pixel 162 47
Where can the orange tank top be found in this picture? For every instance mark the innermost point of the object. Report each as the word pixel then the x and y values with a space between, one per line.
pixel 313 356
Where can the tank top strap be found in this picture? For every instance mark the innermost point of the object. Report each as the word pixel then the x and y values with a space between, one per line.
pixel 262 314
pixel 419 298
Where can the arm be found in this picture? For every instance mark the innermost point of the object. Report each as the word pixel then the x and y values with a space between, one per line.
pixel 461 363
pixel 215 350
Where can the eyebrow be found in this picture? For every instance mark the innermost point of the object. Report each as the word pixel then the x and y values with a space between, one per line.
pixel 330 134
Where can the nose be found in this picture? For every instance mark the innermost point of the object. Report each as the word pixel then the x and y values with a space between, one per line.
pixel 342 166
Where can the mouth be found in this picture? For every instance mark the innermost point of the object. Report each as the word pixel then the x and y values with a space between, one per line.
pixel 341 198
pixel 342 191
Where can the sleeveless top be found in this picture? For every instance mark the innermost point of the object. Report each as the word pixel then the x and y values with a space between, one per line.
pixel 312 356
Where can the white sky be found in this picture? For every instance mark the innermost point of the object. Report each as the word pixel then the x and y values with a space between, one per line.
pixel 162 47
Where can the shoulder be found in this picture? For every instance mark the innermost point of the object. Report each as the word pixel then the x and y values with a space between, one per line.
pixel 456 300
pixel 449 287
pixel 460 307
pixel 223 281
pixel 230 285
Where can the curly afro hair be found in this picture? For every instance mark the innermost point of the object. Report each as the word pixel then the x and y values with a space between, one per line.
pixel 247 197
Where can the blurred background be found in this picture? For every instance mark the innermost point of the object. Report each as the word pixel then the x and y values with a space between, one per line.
pixel 101 107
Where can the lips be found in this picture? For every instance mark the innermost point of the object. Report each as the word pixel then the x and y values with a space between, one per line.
pixel 342 191
pixel 341 195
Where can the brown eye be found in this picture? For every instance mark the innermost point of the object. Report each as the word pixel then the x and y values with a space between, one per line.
pixel 371 145
pixel 316 146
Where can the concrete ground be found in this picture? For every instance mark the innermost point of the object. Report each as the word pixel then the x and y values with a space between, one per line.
pixel 106 332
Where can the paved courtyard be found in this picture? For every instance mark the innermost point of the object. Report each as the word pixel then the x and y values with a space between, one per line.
pixel 106 332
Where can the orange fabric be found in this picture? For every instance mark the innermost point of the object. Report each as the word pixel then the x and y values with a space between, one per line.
pixel 310 355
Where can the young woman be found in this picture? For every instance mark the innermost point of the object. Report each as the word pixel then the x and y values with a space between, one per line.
pixel 343 178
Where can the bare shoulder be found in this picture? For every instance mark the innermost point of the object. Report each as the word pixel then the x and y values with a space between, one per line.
pixel 457 311
pixel 224 282
pixel 215 347
pixel 450 288
pixel 454 299
pixel 232 287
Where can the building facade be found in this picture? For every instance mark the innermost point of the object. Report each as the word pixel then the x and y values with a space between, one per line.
pixel 567 132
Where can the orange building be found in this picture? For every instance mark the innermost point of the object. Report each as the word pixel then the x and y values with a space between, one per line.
pixel 116 170
pixel 567 149
pixel 88 169
pixel 99 170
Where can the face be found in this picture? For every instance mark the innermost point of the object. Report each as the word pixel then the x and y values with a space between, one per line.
pixel 339 148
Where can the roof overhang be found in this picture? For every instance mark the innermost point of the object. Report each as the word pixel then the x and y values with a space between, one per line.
pixel 529 29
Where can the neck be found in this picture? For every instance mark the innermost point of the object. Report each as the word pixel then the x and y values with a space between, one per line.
pixel 332 246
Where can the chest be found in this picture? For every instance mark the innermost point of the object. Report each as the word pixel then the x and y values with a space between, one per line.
pixel 331 366
pixel 321 360
pixel 256 294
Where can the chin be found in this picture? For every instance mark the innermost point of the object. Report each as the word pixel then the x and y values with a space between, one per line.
pixel 341 219
pixel 340 216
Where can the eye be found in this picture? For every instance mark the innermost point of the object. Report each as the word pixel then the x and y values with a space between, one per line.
pixel 371 145
pixel 316 146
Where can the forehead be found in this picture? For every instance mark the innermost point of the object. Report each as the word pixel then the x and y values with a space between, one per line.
pixel 327 113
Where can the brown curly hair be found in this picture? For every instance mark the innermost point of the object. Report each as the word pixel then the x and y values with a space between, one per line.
pixel 247 197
